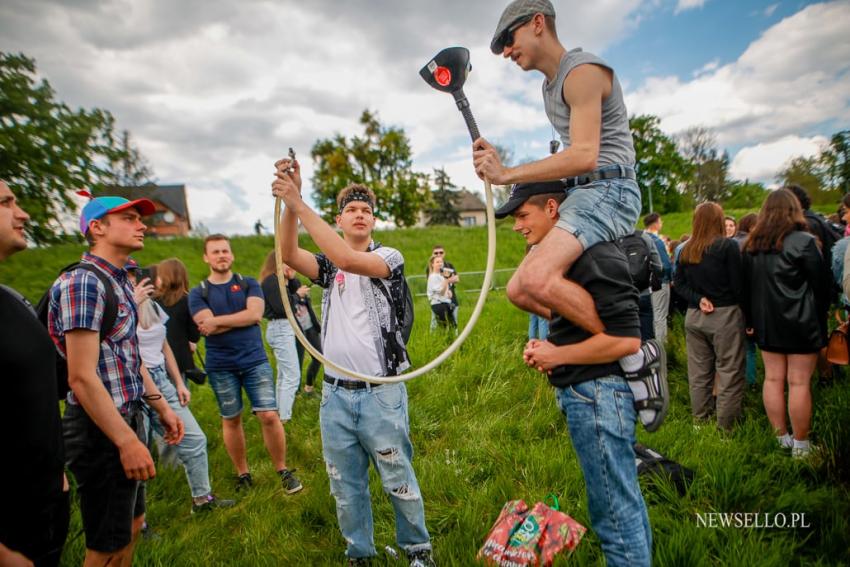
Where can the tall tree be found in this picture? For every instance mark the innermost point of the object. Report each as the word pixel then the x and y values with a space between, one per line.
pixel 836 162
pixel 711 166
pixel 46 149
pixel 662 172
pixel 380 159
pixel 810 174
pixel 129 168
pixel 445 200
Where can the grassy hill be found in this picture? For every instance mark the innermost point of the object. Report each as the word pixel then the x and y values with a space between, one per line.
pixel 486 430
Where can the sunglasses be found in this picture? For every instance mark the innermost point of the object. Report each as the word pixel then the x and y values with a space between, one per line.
pixel 509 37
pixel 439 252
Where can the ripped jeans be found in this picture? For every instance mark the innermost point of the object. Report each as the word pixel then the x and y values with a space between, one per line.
pixel 359 426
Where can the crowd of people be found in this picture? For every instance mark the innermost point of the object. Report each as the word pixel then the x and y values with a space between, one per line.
pixel 599 293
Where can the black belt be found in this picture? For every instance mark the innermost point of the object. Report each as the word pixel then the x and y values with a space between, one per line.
pixel 606 172
pixel 347 384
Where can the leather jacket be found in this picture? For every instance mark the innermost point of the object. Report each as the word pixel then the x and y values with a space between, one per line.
pixel 786 296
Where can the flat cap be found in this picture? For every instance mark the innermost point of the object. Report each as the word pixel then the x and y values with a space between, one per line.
pixel 516 11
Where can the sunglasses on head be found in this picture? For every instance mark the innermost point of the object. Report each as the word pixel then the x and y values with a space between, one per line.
pixel 509 38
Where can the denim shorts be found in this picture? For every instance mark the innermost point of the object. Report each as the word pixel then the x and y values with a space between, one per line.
pixel 258 382
pixel 602 211
pixel 109 501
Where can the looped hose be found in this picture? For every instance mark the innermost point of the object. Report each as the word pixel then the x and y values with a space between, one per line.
pixel 467 329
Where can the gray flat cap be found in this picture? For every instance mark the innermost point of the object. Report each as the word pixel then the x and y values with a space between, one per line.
pixel 516 11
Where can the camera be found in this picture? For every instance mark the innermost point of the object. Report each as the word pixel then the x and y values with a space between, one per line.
pixel 448 272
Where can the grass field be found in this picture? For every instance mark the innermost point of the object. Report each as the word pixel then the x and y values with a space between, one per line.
pixel 486 430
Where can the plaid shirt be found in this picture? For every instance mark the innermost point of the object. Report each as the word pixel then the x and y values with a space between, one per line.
pixel 77 301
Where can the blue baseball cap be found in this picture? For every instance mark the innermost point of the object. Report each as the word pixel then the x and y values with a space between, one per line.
pixel 99 207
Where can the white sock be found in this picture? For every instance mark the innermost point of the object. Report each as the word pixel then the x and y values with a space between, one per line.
pixel 785 441
pixel 632 363
pixel 802 445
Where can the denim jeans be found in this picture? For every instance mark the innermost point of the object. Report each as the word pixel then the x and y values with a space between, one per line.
pixel 365 425
pixel 281 338
pixel 258 382
pixel 602 211
pixel 750 344
pixel 192 449
pixel 601 418
pixel 538 327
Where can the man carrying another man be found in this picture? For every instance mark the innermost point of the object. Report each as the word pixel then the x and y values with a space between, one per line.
pixel 589 382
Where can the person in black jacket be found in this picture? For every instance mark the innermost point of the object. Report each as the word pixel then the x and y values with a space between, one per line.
pixel 708 276
pixel 172 293
pixel 786 293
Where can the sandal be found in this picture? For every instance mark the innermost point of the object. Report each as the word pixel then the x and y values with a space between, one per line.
pixel 653 374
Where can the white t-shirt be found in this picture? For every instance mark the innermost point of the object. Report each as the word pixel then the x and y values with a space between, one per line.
pixel 348 340
pixel 435 288
pixel 151 341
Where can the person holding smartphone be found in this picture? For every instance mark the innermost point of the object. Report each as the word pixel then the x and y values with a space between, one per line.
pixel 440 279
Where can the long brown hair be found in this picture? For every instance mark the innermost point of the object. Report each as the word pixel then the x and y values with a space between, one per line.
pixel 269 266
pixel 780 215
pixel 708 226
pixel 173 281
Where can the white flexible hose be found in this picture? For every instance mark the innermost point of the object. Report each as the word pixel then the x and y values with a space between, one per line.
pixel 467 329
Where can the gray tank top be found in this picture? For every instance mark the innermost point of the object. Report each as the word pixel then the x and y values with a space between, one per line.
pixel 615 144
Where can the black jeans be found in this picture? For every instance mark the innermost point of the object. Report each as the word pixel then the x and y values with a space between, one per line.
pixel 315 340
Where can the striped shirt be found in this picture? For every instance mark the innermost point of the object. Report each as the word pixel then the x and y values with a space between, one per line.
pixel 77 301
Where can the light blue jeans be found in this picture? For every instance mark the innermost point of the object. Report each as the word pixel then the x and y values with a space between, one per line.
pixel 601 418
pixel 281 338
pixel 602 211
pixel 538 327
pixel 365 425
pixel 192 449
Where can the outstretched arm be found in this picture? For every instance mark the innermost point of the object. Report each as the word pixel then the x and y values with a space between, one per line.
pixel 287 186
pixel 584 91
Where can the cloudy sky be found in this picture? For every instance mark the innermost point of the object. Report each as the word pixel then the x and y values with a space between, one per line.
pixel 213 91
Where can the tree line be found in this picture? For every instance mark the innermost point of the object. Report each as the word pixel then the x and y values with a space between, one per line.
pixel 48 150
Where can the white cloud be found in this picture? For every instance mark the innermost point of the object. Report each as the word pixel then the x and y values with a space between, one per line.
pixel 763 162
pixel 214 91
pixel 794 78
pixel 683 5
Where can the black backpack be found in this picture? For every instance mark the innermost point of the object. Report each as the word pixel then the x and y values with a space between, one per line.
pixel 638 254
pixel 403 307
pixel 110 316
pixel 655 466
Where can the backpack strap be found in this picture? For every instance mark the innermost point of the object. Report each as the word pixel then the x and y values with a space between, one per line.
pixel 110 310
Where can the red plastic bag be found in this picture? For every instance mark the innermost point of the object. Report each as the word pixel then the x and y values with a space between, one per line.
pixel 530 537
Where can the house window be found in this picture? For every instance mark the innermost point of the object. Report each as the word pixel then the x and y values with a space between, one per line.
pixel 468 221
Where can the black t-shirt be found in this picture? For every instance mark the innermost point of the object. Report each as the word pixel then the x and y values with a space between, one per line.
pixel 271 291
pixel 30 425
pixel 180 331
pixel 603 271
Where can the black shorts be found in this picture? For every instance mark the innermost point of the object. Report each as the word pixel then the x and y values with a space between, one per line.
pixel 109 501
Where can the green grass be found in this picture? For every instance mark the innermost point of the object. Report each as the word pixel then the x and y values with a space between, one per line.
pixel 486 429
